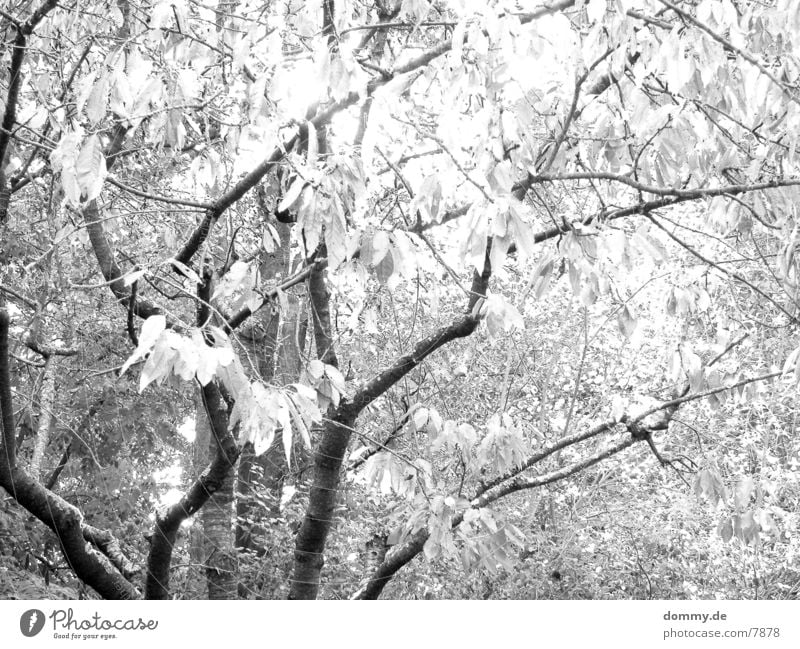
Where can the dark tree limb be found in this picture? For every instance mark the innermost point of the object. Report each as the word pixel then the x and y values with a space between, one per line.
pixel 50 483
pixel 209 482
pixel 110 546
pixel 320 120
pixel 24 30
pixel 319 297
pixel 92 567
pixel 313 533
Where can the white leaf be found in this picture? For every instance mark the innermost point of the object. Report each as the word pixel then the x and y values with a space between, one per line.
pixel 232 281
pixel 292 194
pixel 299 424
pixel 313 145
pixel 186 271
pixel 158 365
pixel 262 442
pixel 336 378
pixel 791 362
pixel 285 419
pixel 98 100
pixel 151 330
pixel 420 418
pixel 135 276
pixel 91 168
pixel 207 364
pixel 316 369
pixel 380 246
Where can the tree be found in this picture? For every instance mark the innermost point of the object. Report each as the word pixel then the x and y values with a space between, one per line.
pixel 445 180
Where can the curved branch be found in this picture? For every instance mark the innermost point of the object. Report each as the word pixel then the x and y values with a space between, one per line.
pixel 321 119
pixel 313 533
pixel 514 481
pixel 92 567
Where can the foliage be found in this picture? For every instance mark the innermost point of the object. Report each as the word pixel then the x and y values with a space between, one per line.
pixel 512 289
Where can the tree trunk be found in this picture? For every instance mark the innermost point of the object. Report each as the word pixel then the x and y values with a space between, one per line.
pixel 317 523
pixel 221 561
pixel 268 345
pixel 46 402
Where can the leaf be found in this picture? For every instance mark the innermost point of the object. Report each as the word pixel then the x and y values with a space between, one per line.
pixel 694 369
pixel 158 365
pixel 90 168
pixel 429 198
pixel 98 100
pixel 385 270
pixel 316 369
pixel 187 272
pixel 207 364
pixel 792 365
pixel 336 378
pixel 336 239
pixel 234 280
pixel 313 145
pixel 744 489
pixel 263 440
pixel 380 247
pixel 270 238
pixel 299 423
pixel 542 275
pixel 292 194
pixel 135 276
pixel 626 322
pixel 501 316
pixel 725 530
pixel 420 418
pixel 150 332
pixel 596 10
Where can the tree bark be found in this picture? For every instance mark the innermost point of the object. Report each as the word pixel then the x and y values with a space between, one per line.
pixel 328 458
pixel 90 565
pixel 271 349
pixel 47 398
pixel 208 483
pixel 218 528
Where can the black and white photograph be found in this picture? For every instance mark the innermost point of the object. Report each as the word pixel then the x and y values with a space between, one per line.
pixel 492 306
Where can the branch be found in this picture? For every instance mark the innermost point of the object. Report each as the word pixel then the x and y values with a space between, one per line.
pixel 460 328
pixel 329 455
pixel 662 191
pixel 724 271
pixel 730 46
pixel 154 197
pixel 319 298
pixel 238 318
pixel 9 459
pixel 108 265
pixel 104 541
pixel 321 119
pixel 25 300
pixel 514 482
pixel 209 482
pixel 46 401
pixel 60 516
pixel 399 556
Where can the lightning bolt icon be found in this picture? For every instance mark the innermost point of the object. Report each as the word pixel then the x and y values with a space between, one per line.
pixel 32 620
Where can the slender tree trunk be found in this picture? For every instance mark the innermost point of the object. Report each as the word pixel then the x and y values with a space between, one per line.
pixel 267 345
pixel 200 459
pixel 46 402
pixel 221 561
pixel 317 523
